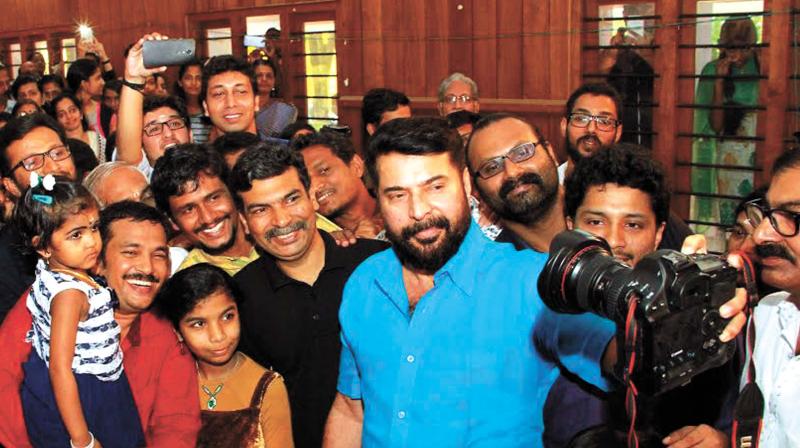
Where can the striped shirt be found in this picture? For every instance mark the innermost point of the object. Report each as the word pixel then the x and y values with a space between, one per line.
pixel 97 350
pixel 200 127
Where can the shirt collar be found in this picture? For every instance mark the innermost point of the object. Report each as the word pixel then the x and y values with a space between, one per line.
pixel 334 259
pixel 788 315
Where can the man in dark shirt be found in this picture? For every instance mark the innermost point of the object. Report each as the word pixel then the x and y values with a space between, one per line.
pixel 293 291
pixel 30 144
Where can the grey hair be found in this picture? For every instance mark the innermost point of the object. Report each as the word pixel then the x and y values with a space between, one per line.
pixel 95 177
pixel 457 76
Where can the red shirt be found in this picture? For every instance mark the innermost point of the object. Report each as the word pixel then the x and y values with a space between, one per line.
pixel 161 372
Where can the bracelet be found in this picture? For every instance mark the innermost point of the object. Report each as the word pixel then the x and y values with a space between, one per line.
pixel 132 85
pixel 90 445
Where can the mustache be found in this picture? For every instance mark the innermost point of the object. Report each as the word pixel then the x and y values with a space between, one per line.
pixel 527 178
pixel 202 227
pixel 280 231
pixel 588 137
pixel 142 277
pixel 774 250
pixel 435 221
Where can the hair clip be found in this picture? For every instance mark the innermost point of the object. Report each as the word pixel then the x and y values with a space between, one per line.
pixel 43 198
pixel 47 182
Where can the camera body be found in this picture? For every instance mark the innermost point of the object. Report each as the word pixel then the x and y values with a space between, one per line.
pixel 677 311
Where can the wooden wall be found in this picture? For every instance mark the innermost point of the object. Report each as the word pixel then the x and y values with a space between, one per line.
pixel 411 45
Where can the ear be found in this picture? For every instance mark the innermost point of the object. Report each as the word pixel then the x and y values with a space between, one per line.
pixel 11 187
pixel 467 179
pixel 357 165
pixel 244 223
pixel 440 108
pixel 371 128
pixel 551 152
pixel 178 334
pixel 660 234
pixel 205 109
pixel 44 252
pixel 618 134
pixel 477 106
pixel 564 124
pixel 570 223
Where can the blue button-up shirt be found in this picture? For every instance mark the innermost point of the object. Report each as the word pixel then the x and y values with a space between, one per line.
pixel 474 363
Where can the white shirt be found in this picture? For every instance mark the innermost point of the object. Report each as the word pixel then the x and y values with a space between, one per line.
pixel 143 166
pixel 778 369
pixel 562 173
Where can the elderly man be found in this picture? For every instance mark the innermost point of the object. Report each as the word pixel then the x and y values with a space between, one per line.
pixel 114 182
pixel 458 92
pixel 160 370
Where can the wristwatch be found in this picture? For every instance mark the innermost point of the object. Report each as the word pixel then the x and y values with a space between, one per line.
pixel 135 86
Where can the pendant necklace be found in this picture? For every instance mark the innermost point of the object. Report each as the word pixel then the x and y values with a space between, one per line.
pixel 212 396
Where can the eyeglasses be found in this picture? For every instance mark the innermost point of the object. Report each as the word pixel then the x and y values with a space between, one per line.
pixel 453 99
pixel 153 129
pixel 603 123
pixel 784 222
pixel 516 154
pixel 36 161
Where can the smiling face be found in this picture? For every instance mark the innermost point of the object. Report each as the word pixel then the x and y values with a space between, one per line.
pixel 583 142
pixel 30 91
pixel 37 141
pixel 231 103
pixel 206 214
pixel 76 243
pixel 624 217
pixel 69 115
pixel 265 78
pixel 155 146
pixel 211 329
pixel 334 183
pixel 136 262
pixel 192 81
pixel 126 183
pixel 280 216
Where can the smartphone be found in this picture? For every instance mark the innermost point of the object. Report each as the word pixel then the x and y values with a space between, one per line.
pixel 254 41
pixel 86 32
pixel 157 53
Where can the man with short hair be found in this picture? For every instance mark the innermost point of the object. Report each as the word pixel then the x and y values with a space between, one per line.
pixel 291 295
pixel 51 86
pixel 189 187
pixel 382 105
pixel 233 144
pixel 160 370
pixel 336 171
pixel 118 181
pixel 30 144
pixel 229 94
pixel 6 103
pixel 26 87
pixel 458 92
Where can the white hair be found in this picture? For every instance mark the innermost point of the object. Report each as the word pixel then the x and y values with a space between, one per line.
pixel 457 76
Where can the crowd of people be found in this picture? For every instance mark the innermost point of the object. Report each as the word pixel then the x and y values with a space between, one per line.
pixel 200 269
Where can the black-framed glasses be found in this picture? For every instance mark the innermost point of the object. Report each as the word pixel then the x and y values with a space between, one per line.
pixel 36 161
pixel 603 123
pixel 785 222
pixel 463 99
pixel 153 129
pixel 517 154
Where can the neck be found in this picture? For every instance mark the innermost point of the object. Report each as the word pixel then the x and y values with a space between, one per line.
pixel 539 234
pixel 211 372
pixel 193 105
pixel 306 269
pixel 417 284
pixel 125 319
pixel 250 128
pixel 241 246
pixel 77 134
pixel 795 299
pixel 363 208
pixel 263 101
pixel 570 168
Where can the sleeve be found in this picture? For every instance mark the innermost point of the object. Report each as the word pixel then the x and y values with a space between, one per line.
pixel 275 418
pixel 15 352
pixel 349 380
pixel 175 420
pixel 704 96
pixel 577 341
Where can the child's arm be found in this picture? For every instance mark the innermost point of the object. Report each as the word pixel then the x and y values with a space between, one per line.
pixel 66 310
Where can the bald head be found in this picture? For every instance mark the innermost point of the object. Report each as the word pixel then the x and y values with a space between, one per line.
pixel 114 182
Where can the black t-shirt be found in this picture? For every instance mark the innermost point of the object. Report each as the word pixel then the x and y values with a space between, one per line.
pixel 293 328
pixel 17 269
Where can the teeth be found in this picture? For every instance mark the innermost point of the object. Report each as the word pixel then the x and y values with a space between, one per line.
pixel 214 229
pixel 171 145
pixel 140 283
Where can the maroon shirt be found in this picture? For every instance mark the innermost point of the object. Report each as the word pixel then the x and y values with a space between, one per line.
pixel 161 372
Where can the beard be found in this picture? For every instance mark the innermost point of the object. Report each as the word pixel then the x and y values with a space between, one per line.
pixel 529 206
pixel 431 256
pixel 224 246
pixel 572 150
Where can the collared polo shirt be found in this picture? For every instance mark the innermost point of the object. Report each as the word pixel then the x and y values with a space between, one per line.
pixel 293 328
pixel 474 363
pixel 231 265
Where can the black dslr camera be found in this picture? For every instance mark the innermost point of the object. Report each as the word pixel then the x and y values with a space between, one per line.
pixel 677 313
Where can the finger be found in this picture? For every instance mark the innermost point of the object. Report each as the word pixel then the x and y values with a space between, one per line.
pixel 691 438
pixel 677 435
pixel 694 244
pixel 734 305
pixel 733 328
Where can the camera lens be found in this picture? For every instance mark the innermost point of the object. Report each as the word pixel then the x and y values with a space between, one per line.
pixel 578 273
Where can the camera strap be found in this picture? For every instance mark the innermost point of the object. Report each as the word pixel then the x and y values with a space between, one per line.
pixel 749 410
pixel 631 338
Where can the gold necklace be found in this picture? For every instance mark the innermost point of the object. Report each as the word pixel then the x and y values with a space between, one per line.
pixel 212 396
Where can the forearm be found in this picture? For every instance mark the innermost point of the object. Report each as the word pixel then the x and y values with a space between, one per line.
pixel 68 401
pixel 344 425
pixel 717 115
pixel 129 124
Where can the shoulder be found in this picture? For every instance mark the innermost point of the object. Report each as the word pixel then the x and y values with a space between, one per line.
pixel 373 264
pixel 154 326
pixel 363 249
pixel 254 271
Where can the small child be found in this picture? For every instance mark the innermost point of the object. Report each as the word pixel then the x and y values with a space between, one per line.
pixel 242 404
pixel 75 392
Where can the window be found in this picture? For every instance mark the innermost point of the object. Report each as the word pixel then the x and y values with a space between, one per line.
pixel 16 59
pixel 319 55
pixel 792 139
pixel 219 41
pixel 68 52
pixel 40 46
pixel 257 27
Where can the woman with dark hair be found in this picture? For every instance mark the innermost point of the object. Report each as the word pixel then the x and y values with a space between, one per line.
pixel 66 109
pixel 25 107
pixel 188 88
pixel 273 115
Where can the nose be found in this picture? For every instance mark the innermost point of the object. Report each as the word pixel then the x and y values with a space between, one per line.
pixel 50 166
pixel 511 169
pixel 166 131
pixel 205 214
pixel 615 236
pixel 591 127
pixel 215 332
pixel 281 217
pixel 764 233
pixel 229 102
pixel 418 207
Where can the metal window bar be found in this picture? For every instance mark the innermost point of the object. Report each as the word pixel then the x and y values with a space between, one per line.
pixel 754 138
pixel 706 223
pixel 304 117
pixel 308 33
pixel 627 47
pixel 621 75
pixel 323 97
pixel 733 77
pixel 609 19
pixel 314 76
pixel 724 15
pixel 693 46
pixel 720 166
pixel 724 106
pixel 709 195
pixel 333 53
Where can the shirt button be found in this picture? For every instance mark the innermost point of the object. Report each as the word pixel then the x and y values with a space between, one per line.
pixel 401 415
pixel 410 358
pixel 315 316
